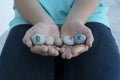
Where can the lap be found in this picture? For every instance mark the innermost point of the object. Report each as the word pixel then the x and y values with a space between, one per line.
pixel 18 63
pixel 100 62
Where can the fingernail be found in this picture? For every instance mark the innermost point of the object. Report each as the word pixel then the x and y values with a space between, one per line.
pixel 63 50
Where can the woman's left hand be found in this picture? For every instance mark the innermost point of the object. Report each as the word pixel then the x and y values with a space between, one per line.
pixel 72 29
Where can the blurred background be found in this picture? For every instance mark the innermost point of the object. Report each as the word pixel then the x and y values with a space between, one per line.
pixel 7 14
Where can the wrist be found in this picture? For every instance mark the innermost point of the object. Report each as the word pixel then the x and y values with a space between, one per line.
pixel 75 18
pixel 74 22
pixel 47 20
pixel 44 22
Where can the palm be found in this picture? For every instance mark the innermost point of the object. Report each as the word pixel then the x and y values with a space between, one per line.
pixel 46 30
pixel 74 29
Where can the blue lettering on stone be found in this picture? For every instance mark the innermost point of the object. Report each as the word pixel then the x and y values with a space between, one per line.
pixel 78 37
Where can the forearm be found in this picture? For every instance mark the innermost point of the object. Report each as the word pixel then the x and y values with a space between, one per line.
pixel 82 10
pixel 32 11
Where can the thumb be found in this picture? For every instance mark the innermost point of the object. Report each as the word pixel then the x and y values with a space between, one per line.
pixel 26 39
pixel 28 43
pixel 90 39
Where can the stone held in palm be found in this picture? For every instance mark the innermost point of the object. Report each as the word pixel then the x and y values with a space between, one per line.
pixel 58 42
pixel 49 40
pixel 38 39
pixel 80 39
pixel 68 40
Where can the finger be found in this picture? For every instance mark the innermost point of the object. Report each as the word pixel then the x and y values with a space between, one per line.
pixel 26 38
pixel 68 54
pixel 38 50
pixel 56 53
pixel 57 48
pixel 64 54
pixel 52 51
pixel 44 48
pixel 77 50
pixel 28 43
pixel 63 49
pixel 90 38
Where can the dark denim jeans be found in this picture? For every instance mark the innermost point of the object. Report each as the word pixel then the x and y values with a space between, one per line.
pixel 100 62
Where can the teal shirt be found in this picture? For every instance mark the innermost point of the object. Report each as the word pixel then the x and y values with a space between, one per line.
pixel 59 9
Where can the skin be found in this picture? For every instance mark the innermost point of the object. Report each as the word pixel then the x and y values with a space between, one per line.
pixel 72 51
pixel 43 23
pixel 45 29
pixel 75 24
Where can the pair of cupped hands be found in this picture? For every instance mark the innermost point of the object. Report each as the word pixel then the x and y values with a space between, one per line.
pixel 50 29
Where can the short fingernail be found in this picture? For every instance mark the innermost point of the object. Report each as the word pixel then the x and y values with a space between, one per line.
pixel 58 49
pixel 63 50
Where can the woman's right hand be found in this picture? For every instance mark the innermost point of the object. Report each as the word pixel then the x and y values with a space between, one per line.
pixel 47 29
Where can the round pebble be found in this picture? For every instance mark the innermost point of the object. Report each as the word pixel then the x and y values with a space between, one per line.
pixel 38 39
pixel 58 42
pixel 68 40
pixel 80 39
pixel 50 41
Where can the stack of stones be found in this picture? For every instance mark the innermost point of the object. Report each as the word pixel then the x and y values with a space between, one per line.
pixel 39 39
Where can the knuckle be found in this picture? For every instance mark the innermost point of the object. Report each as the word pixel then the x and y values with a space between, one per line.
pixel 89 30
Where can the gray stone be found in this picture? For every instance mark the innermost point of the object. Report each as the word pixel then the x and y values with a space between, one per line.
pixel 38 39
pixel 80 39
pixel 50 41
pixel 68 40
pixel 58 42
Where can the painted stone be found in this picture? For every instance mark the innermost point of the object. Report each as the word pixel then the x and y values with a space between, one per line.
pixel 50 41
pixel 68 40
pixel 58 42
pixel 80 39
pixel 38 39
